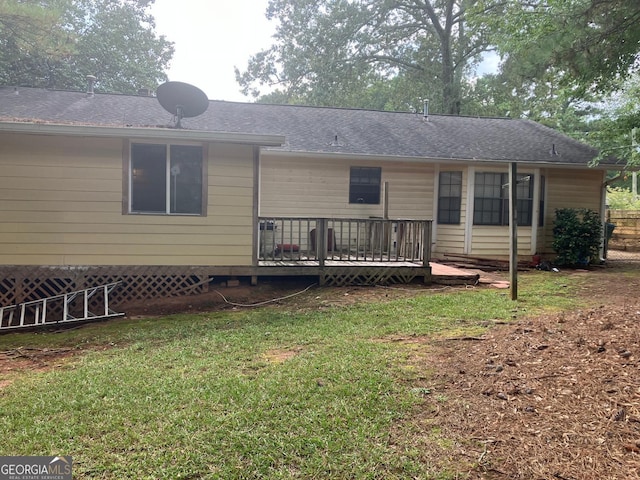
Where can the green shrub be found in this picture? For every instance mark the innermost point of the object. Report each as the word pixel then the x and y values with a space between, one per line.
pixel 577 236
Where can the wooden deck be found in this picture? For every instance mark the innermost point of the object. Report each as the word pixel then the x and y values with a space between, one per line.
pixel 342 251
pixel 338 263
pixel 339 273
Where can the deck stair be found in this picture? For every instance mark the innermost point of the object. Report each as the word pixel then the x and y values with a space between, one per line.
pixel 78 306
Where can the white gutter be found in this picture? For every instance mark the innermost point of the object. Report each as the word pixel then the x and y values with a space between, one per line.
pixel 140 133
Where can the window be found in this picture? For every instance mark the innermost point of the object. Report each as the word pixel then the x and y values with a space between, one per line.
pixel 364 185
pixel 491 199
pixel 449 197
pixel 166 179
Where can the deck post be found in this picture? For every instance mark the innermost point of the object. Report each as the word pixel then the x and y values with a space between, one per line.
pixel 426 243
pixel 426 248
pixel 321 241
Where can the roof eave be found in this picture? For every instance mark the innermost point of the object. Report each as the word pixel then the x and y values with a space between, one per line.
pixel 141 133
pixel 399 158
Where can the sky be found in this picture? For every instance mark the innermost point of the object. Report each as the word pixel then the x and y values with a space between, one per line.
pixel 211 37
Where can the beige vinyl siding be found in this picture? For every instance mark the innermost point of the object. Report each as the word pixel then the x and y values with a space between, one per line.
pixel 304 187
pixel 493 241
pixel 61 204
pixel 291 187
pixel 320 188
pixel 449 239
pixel 568 188
pixel 411 188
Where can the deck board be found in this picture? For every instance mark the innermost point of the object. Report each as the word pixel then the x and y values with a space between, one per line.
pixel 336 263
pixel 440 273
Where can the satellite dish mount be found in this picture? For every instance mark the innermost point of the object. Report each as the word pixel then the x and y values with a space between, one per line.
pixel 182 100
pixel 179 116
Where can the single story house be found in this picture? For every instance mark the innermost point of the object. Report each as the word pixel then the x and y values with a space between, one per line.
pixel 97 187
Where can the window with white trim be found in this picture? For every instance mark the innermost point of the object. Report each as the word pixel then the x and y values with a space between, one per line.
pixel 166 179
pixel 491 199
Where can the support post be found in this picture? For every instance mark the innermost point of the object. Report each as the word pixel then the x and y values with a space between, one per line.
pixel 321 241
pixel 385 207
pixel 426 243
pixel 513 230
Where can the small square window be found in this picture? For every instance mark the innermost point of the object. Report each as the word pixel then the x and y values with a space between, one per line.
pixel 364 185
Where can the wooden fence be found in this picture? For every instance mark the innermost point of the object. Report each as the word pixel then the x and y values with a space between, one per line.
pixel 626 234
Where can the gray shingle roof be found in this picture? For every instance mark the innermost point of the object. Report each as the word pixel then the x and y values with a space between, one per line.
pixel 315 129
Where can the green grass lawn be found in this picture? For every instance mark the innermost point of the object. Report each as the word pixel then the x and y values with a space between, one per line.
pixel 265 393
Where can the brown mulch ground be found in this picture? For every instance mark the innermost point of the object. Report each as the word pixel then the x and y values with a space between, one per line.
pixel 551 397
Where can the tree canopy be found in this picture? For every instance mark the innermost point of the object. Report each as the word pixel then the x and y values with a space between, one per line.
pixel 614 134
pixel 596 42
pixel 57 43
pixel 591 48
pixel 350 52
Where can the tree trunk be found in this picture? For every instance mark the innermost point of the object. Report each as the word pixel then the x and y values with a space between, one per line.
pixel 450 91
pixel 450 100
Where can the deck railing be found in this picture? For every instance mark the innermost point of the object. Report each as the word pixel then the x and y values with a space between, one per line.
pixel 304 239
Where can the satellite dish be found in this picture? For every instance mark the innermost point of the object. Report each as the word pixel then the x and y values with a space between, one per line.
pixel 182 100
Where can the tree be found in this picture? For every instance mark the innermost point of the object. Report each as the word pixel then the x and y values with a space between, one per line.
pixel 330 52
pixel 27 31
pixel 57 43
pixel 617 121
pixel 545 99
pixel 597 42
pixel 592 49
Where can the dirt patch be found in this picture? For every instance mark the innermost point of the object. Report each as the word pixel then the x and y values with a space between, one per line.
pixel 280 355
pixel 37 359
pixel 31 359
